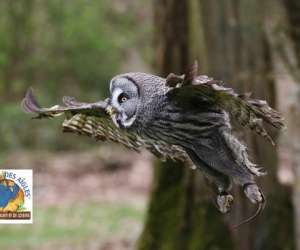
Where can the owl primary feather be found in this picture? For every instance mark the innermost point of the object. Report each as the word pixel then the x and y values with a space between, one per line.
pixel 181 117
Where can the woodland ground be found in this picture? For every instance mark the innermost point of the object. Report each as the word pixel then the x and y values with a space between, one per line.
pixel 87 200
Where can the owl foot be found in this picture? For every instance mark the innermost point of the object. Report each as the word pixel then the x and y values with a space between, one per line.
pixel 224 202
pixel 253 193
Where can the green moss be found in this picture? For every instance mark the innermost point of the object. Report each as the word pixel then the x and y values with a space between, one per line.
pixel 175 220
pixel 164 209
pixel 209 231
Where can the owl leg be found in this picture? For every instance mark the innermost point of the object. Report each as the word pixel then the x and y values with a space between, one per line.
pixel 221 181
pixel 220 157
pixel 224 202
pixel 245 171
pixel 221 184
pixel 254 193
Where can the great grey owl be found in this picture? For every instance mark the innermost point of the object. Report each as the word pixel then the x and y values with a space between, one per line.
pixel 183 117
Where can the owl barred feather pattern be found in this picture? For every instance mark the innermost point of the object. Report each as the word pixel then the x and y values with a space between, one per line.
pixel 245 110
pixel 102 130
pixel 183 117
pixel 98 125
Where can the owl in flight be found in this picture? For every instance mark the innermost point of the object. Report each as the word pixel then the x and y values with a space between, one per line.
pixel 182 117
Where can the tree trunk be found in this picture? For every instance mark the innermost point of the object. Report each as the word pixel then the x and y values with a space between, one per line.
pixel 178 218
pixel 284 36
pixel 229 40
pixel 240 55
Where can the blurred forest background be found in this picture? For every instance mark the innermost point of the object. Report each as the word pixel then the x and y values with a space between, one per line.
pixel 90 195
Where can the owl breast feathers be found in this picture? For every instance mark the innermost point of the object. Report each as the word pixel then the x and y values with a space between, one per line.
pixel 183 117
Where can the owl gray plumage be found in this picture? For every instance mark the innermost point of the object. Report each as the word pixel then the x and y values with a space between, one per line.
pixel 184 118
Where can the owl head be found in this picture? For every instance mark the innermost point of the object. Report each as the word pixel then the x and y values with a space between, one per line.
pixel 133 94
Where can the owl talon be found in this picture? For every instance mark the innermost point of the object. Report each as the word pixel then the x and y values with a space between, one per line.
pixel 253 193
pixel 256 196
pixel 110 110
pixel 224 202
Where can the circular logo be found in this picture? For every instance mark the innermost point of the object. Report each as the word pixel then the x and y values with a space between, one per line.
pixel 11 196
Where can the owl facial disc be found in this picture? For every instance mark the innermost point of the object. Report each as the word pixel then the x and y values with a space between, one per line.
pixel 124 100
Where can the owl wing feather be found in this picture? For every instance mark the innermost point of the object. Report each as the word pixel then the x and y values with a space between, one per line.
pixel 30 105
pixel 248 112
pixel 92 119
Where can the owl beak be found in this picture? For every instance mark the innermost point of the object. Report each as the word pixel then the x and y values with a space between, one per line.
pixel 111 110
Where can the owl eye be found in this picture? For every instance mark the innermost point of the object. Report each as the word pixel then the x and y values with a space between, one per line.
pixel 122 98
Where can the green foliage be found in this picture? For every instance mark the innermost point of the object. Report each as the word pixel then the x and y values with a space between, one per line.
pixel 86 42
pixel 60 48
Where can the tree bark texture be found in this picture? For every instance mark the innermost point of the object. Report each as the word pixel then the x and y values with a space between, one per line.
pixel 229 40
pixel 177 218
pixel 284 36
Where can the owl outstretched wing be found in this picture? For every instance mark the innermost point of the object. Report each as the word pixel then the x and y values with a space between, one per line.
pixel 30 105
pixel 93 120
pixel 192 89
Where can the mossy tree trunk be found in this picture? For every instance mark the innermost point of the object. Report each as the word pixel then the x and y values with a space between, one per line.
pixel 229 41
pixel 178 217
